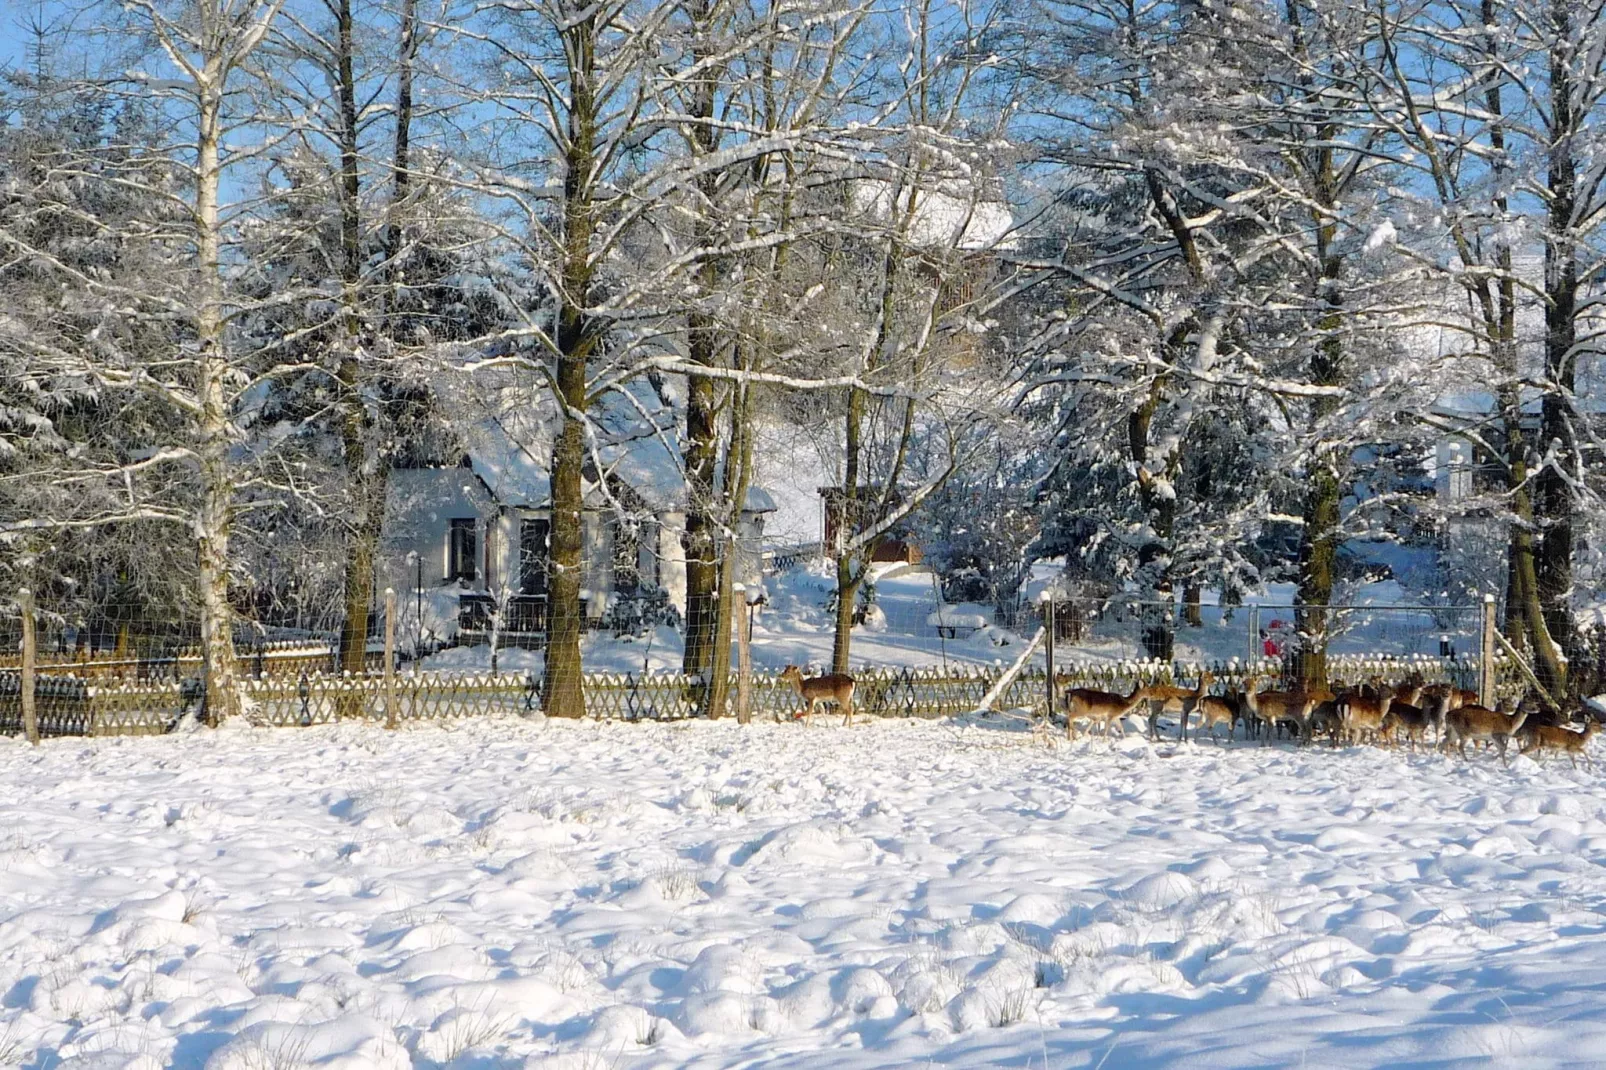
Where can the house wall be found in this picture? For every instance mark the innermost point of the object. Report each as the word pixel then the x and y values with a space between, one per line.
pixel 594 579
pixel 502 566
pixel 750 549
pixel 422 502
pixel 1452 475
pixel 672 558
pixel 672 554
pixel 419 507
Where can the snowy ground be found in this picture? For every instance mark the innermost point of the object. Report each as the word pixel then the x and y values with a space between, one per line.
pixel 794 628
pixel 498 893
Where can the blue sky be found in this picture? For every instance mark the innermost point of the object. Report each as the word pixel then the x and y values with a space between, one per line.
pixel 17 16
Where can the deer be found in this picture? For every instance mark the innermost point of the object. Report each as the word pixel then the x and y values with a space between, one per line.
pixel 1179 700
pixel 1214 710
pixel 1406 712
pixel 1543 737
pixel 832 687
pixel 1410 718
pixel 1360 714
pixel 1410 692
pixel 1102 707
pixel 1440 699
pixel 1480 723
pixel 1269 707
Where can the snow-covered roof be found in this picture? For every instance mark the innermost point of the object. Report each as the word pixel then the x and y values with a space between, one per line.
pixel 633 437
pixel 514 471
pixel 1442 347
pixel 951 217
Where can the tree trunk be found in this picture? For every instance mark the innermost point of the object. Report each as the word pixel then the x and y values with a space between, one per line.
pixel 216 514
pixel 702 568
pixel 1320 538
pixel 1523 596
pixel 1192 609
pixel 847 530
pixel 367 463
pixel 1554 498
pixel 1158 614
pixel 847 593
pixel 704 611
pixel 363 537
pixel 738 468
pixel 562 695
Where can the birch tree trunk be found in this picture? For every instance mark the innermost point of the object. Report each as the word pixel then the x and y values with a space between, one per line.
pixel 216 514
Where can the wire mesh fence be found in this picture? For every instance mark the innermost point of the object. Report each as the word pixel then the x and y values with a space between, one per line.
pixel 105 667
pixel 1123 628
pixel 74 705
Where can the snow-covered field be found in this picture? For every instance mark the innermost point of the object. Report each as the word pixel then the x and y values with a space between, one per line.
pixel 499 893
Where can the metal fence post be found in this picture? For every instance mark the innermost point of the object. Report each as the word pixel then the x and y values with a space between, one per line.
pixel 1048 625
pixel 30 654
pixel 1486 656
pixel 390 658
pixel 1253 617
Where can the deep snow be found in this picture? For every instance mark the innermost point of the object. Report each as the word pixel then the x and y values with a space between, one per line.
pixel 502 893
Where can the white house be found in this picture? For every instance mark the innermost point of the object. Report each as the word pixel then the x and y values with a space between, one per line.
pixel 478 531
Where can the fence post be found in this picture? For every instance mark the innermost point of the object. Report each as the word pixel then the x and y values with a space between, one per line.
pixel 390 657
pixel 1253 617
pixel 1486 656
pixel 744 655
pixel 1048 625
pixel 30 652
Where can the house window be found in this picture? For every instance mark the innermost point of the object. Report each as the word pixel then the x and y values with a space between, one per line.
pixel 462 550
pixel 533 537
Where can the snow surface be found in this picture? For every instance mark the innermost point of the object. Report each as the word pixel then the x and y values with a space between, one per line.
pixel 501 893
pixel 793 629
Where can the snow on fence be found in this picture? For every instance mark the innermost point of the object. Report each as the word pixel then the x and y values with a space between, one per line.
pixel 73 705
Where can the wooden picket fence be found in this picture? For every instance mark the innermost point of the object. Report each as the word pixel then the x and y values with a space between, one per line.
pixel 76 705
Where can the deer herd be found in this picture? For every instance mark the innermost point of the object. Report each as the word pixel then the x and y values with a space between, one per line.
pixel 1373 712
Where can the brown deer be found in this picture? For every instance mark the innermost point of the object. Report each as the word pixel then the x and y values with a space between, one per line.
pixel 1543 737
pixel 1440 699
pixel 1409 718
pixel 1269 707
pixel 833 687
pixel 1479 723
pixel 1215 710
pixel 1100 707
pixel 1361 715
pixel 1410 692
pixel 1166 698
